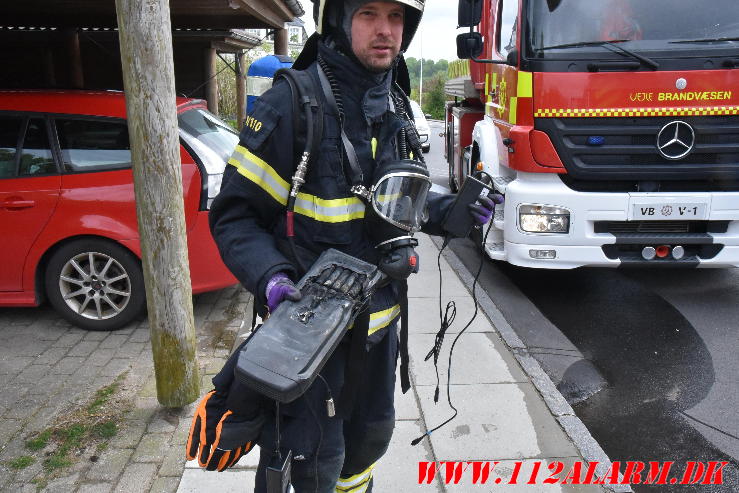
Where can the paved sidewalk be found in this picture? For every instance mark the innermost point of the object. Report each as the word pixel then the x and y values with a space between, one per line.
pixel 509 410
pixel 502 414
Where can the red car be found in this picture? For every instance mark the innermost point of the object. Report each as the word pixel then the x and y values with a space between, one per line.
pixel 68 228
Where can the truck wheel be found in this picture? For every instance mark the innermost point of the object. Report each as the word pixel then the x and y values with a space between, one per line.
pixel 95 284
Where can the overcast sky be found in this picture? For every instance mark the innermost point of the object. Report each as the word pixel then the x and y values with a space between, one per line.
pixel 436 36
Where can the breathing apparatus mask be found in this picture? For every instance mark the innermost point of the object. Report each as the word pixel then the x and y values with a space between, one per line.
pixel 395 210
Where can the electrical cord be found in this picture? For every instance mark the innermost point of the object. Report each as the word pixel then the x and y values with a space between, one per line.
pixel 440 338
pixel 446 321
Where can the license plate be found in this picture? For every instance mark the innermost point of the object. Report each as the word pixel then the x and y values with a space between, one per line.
pixel 667 211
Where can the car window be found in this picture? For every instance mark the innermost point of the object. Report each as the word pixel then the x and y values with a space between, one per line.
pixel 10 128
pixel 93 145
pixel 36 158
pixel 210 131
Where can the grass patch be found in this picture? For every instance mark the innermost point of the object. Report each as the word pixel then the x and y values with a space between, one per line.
pixel 21 462
pixel 39 441
pixel 107 429
pixel 79 433
pixel 102 397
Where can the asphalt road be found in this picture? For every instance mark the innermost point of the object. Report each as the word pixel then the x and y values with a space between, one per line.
pixel 653 353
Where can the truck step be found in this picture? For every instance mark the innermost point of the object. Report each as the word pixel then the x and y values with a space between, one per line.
pixel 501 183
pixel 495 251
pixel 499 218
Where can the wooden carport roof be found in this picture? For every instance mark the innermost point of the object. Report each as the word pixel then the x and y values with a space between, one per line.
pixel 209 14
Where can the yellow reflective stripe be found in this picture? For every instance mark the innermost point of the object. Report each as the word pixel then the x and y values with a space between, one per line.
pixel 261 173
pixel 512 111
pixel 487 88
pixel 380 320
pixel 357 483
pixel 374 147
pixel 324 210
pixel 329 210
pixel 627 112
pixel 525 85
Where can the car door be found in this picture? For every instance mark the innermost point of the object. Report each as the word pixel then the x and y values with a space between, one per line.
pixel 29 192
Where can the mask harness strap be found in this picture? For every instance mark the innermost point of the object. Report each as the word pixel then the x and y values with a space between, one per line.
pixel 405 381
pixel 330 88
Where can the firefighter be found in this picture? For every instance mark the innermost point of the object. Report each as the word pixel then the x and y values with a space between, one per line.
pixel 357 50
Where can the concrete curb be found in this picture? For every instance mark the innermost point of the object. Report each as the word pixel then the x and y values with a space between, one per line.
pixel 575 429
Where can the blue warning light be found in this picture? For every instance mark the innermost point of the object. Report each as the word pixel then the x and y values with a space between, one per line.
pixel 596 140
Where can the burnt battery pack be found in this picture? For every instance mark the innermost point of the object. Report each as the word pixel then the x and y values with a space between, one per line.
pixel 284 356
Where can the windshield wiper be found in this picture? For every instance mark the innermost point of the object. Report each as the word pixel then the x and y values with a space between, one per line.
pixel 610 45
pixel 707 40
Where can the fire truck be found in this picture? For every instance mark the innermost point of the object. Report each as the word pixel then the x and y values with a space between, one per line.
pixel 610 126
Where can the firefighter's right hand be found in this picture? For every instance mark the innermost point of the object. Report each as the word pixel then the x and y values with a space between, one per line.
pixel 218 437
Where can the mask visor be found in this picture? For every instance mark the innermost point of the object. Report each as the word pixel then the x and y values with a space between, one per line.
pixel 400 199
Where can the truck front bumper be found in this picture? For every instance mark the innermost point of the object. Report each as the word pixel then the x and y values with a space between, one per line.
pixel 613 229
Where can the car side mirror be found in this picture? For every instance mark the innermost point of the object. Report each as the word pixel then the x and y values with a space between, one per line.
pixel 427 115
pixel 469 45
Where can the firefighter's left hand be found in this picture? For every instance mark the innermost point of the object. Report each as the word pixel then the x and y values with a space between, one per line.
pixel 482 211
pixel 218 437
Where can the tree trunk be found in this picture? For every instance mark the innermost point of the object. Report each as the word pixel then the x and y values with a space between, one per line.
pixel 148 77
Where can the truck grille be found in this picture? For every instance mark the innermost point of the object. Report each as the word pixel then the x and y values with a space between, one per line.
pixel 624 150
pixel 657 227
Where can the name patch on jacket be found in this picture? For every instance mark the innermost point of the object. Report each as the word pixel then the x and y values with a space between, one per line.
pixel 259 125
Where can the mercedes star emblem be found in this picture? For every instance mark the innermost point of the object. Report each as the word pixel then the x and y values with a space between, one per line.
pixel 676 140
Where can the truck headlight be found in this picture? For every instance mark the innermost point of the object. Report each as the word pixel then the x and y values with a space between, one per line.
pixel 543 219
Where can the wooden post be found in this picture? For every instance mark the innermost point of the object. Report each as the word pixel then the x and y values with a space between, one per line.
pixel 211 81
pixel 281 45
pixel 240 89
pixel 74 59
pixel 145 36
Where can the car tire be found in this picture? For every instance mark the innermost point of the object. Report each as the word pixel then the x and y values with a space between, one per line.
pixel 95 284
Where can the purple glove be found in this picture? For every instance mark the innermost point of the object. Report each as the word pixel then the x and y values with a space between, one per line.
pixel 482 210
pixel 279 288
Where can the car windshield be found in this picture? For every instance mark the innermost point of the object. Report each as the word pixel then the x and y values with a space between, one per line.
pixel 210 138
pixel 558 25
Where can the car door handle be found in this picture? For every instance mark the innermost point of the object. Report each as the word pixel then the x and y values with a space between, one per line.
pixel 14 204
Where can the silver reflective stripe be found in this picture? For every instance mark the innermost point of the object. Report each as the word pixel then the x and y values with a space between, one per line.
pixel 261 173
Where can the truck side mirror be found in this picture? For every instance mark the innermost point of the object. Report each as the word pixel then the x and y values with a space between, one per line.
pixel 469 45
pixel 512 58
pixel 469 13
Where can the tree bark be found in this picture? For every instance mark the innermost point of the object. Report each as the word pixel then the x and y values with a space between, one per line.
pixel 148 78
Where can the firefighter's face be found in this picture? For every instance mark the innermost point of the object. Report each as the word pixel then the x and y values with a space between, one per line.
pixel 377 32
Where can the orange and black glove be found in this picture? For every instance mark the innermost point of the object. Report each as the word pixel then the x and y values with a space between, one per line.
pixel 219 437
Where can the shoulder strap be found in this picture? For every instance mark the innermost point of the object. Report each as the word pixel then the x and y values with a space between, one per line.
pixel 303 86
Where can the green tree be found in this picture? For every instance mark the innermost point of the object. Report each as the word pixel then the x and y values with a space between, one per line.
pixel 434 100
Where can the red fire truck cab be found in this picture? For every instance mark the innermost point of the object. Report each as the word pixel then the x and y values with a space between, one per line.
pixel 611 127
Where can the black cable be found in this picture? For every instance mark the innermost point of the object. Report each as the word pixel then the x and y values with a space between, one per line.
pixel 334 88
pixel 454 343
pixel 445 322
pixel 320 440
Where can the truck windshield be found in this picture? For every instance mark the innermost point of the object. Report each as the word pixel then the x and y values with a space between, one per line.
pixel 557 26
